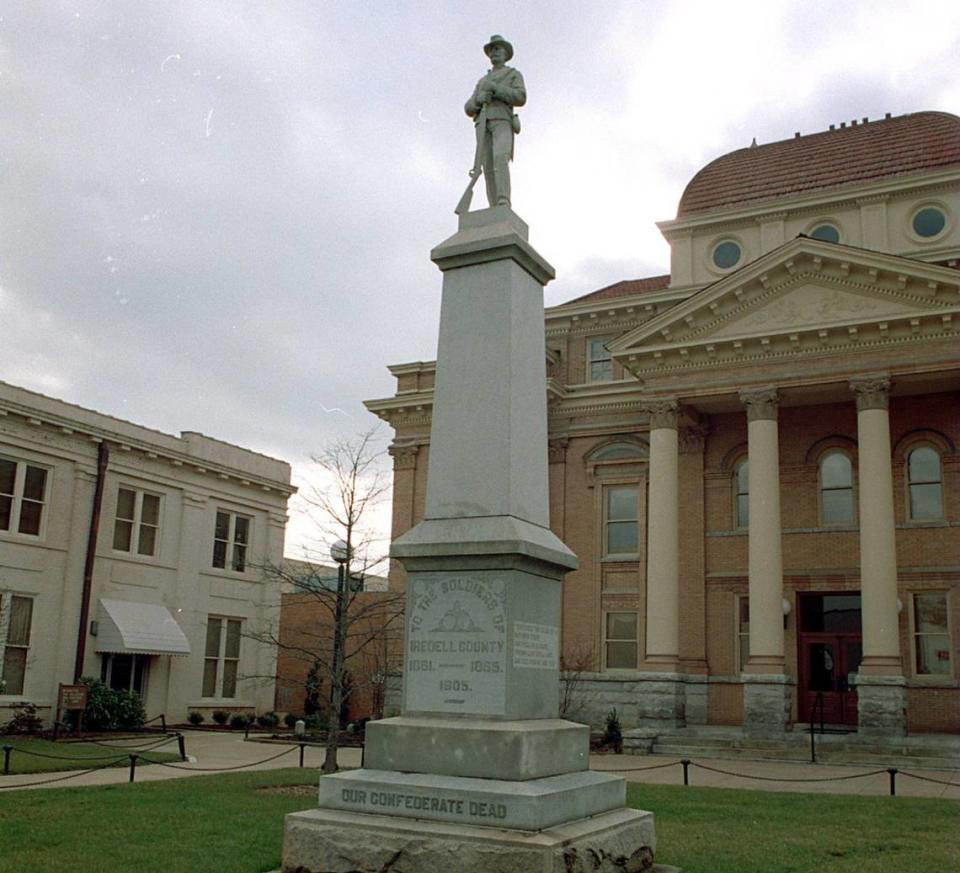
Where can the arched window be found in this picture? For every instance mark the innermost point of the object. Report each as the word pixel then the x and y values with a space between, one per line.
pixel 925 484
pixel 742 493
pixel 836 488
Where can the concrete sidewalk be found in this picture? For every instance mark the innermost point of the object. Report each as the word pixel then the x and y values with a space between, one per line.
pixel 229 752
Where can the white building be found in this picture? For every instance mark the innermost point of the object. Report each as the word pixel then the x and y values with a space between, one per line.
pixel 131 555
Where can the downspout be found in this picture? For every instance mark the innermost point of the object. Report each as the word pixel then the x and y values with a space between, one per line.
pixel 103 457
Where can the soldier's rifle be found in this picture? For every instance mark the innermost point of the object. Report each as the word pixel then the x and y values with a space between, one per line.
pixel 464 205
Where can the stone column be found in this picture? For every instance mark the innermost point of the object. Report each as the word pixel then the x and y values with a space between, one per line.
pixel 766 693
pixel 661 689
pixel 880 682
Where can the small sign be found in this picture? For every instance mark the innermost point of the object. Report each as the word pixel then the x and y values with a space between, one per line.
pixel 73 697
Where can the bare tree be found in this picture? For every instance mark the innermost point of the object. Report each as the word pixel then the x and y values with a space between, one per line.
pixel 344 633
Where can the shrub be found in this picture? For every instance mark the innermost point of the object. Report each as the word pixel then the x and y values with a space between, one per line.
pixel 195 718
pixel 268 720
pixel 109 709
pixel 25 720
pixel 315 723
pixel 239 721
pixel 613 734
pixel 220 717
pixel 290 720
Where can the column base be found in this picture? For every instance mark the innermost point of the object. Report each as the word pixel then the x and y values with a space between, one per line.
pixel 881 705
pixel 331 841
pixel 661 700
pixel 766 704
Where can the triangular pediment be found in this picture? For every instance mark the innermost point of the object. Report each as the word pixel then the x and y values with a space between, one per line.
pixel 804 296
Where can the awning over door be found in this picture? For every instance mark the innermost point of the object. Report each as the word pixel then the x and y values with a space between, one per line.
pixel 127 627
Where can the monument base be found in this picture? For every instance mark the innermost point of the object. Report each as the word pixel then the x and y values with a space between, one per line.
pixel 331 841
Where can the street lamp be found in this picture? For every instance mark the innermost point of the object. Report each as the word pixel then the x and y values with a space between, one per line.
pixel 340 552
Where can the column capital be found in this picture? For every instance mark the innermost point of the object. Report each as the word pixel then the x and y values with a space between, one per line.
pixel 662 411
pixel 761 403
pixel 557 449
pixel 404 457
pixel 872 392
pixel 692 440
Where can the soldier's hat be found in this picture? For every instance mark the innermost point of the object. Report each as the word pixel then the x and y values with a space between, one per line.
pixel 496 39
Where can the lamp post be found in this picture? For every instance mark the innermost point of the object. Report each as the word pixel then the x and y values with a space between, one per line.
pixel 340 552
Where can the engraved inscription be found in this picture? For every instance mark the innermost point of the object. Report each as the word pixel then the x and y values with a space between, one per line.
pixel 536 646
pixel 411 803
pixel 456 645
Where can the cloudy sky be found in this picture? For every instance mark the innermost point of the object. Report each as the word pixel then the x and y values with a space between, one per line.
pixel 216 215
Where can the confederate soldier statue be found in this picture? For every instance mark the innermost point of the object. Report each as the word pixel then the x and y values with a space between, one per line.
pixel 491 107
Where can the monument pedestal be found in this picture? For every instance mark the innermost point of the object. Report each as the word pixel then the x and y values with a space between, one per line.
pixel 479 774
pixel 332 841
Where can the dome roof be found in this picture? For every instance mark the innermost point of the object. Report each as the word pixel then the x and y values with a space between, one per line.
pixel 858 153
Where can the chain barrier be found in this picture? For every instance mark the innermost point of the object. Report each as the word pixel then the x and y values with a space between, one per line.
pixel 928 779
pixel 636 769
pixel 219 769
pixel 153 744
pixel 786 779
pixel 72 775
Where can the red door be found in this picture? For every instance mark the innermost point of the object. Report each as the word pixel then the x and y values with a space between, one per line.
pixel 830 649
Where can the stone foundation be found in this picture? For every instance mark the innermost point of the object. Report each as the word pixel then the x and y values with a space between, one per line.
pixel 882 706
pixel 661 700
pixel 332 841
pixel 766 704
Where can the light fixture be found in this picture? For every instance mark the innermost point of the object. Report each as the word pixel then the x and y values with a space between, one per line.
pixel 785 606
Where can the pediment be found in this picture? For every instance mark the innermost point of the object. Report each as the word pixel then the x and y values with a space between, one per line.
pixel 806 296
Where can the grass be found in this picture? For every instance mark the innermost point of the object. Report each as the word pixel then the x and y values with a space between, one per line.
pixel 31 755
pixel 714 830
pixel 224 823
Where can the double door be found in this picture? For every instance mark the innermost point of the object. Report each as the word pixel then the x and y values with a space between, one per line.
pixel 826 662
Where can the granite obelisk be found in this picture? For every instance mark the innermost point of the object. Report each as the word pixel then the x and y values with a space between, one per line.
pixel 479 773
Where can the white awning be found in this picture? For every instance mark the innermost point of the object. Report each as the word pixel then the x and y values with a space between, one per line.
pixel 126 627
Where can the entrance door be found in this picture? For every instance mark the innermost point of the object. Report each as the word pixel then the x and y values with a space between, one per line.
pixel 830 650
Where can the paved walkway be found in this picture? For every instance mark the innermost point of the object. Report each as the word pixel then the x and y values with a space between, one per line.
pixel 214 751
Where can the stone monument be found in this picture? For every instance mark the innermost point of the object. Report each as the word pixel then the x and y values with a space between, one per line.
pixel 479 773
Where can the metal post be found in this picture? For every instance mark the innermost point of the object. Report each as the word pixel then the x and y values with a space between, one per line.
pixel 893 780
pixel 686 770
pixel 301 754
pixel 6 759
pixel 133 766
pixel 181 743
pixel 813 744
pixel 163 722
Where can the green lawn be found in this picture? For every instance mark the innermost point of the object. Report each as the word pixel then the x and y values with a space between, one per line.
pixel 224 823
pixel 31 755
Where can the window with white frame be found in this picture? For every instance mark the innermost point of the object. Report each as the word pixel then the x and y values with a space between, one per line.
pixel 23 489
pixel 231 539
pixel 221 657
pixel 931 633
pixel 741 497
pixel 621 520
pixel 836 488
pixel 599 360
pixel 743 631
pixel 924 484
pixel 137 524
pixel 16 621
pixel 620 639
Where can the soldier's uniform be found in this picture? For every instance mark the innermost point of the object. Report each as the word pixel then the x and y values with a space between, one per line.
pixel 506 89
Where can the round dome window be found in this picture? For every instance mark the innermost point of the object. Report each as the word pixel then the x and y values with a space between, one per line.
pixel 826 232
pixel 929 222
pixel 726 255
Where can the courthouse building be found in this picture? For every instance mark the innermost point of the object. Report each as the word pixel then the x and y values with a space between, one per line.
pixel 131 555
pixel 755 457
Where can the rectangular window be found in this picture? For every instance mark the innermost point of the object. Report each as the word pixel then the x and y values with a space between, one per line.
pixel 231 539
pixel 221 657
pixel 743 631
pixel 137 524
pixel 599 362
pixel 931 633
pixel 22 496
pixel 17 643
pixel 621 640
pixel 621 520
